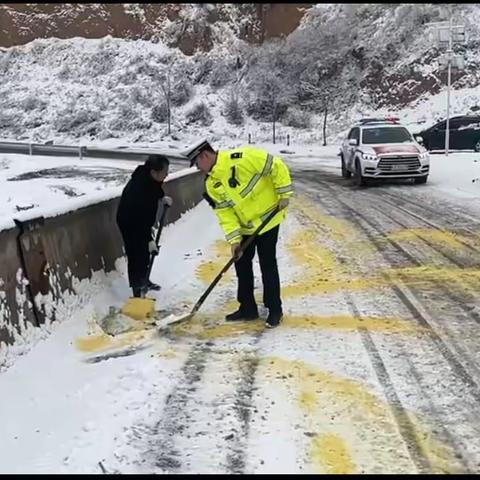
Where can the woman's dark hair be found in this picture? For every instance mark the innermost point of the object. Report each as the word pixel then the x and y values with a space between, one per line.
pixel 157 162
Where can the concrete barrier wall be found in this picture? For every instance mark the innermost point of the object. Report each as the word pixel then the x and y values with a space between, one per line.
pixel 15 311
pixel 55 250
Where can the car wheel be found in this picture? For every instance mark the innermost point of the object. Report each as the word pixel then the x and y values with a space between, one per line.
pixel 360 180
pixel 421 179
pixel 476 147
pixel 345 173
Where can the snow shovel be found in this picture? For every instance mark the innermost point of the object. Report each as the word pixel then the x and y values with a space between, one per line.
pixel 172 319
pixel 139 308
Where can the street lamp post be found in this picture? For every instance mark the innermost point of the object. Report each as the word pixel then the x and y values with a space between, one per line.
pixel 456 35
pixel 449 81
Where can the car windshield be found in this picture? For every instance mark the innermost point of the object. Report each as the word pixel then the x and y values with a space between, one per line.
pixel 386 135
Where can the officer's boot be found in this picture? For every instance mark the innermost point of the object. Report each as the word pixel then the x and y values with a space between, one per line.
pixel 250 313
pixel 274 318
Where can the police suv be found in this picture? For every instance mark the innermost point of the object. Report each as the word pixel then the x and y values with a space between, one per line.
pixel 382 148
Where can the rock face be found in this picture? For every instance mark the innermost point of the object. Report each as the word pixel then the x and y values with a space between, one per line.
pixel 190 27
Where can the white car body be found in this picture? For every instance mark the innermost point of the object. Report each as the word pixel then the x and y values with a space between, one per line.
pixel 365 157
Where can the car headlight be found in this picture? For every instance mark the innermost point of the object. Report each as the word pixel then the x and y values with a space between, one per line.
pixel 369 156
pixel 423 156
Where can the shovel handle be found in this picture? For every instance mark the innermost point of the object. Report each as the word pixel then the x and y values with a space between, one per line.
pixel 243 246
pixel 157 238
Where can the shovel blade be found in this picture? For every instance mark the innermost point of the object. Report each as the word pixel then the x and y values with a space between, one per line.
pixel 174 319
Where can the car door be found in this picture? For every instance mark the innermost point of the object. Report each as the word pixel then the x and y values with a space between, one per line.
pixel 345 149
pixel 437 136
pixel 468 133
pixel 457 133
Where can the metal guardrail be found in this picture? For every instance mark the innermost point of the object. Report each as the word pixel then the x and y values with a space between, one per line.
pixel 119 153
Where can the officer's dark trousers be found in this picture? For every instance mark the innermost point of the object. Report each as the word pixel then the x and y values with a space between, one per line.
pixel 138 258
pixel 266 245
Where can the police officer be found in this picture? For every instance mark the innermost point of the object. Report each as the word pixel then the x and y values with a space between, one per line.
pixel 243 186
pixel 136 215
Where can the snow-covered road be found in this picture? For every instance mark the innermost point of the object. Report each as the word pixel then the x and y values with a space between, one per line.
pixel 375 368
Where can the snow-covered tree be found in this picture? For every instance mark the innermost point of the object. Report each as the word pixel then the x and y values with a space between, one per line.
pixel 239 80
pixel 269 93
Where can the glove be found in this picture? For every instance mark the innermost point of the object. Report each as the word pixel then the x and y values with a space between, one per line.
pixel 152 247
pixel 167 201
pixel 236 252
pixel 283 203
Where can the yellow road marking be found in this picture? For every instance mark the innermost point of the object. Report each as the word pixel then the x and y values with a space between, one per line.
pixel 330 453
pixel 353 429
pixel 441 238
pixel 209 269
pixel 347 322
pixel 102 342
pixel 204 326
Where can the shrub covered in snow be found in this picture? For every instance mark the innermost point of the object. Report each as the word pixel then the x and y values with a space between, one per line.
pixel 220 74
pixel 7 119
pixel 181 91
pixel 199 113
pixel 33 102
pixel 268 95
pixel 159 113
pixel 200 69
pixel 297 118
pixel 129 118
pixel 78 120
pixel 233 111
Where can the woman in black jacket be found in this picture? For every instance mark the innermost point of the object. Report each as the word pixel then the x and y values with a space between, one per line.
pixel 136 215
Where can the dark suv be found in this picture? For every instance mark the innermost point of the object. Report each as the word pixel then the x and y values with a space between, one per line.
pixel 464 134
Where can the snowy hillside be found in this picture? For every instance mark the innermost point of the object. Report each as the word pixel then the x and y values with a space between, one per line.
pixel 356 59
pixel 112 88
pixel 382 58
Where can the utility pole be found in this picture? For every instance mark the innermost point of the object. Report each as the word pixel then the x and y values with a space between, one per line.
pixel 447 35
pixel 449 81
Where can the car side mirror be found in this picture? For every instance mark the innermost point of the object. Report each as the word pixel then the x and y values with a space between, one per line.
pixel 353 142
pixel 419 139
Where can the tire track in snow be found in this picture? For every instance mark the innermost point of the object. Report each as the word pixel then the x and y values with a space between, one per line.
pixel 224 385
pixel 164 452
pixel 401 414
pixel 457 298
pixel 405 426
pixel 460 453
pixel 464 299
pixel 414 305
pixel 409 298
pixel 236 457
pixel 468 219
pixel 451 258
pixel 205 421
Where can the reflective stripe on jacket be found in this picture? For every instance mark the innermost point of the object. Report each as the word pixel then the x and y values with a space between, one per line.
pixel 244 186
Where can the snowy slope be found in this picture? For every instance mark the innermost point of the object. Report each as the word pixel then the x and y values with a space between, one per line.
pixel 63 90
pixel 109 88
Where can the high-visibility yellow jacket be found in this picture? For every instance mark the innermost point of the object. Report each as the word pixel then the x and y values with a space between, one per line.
pixel 243 187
